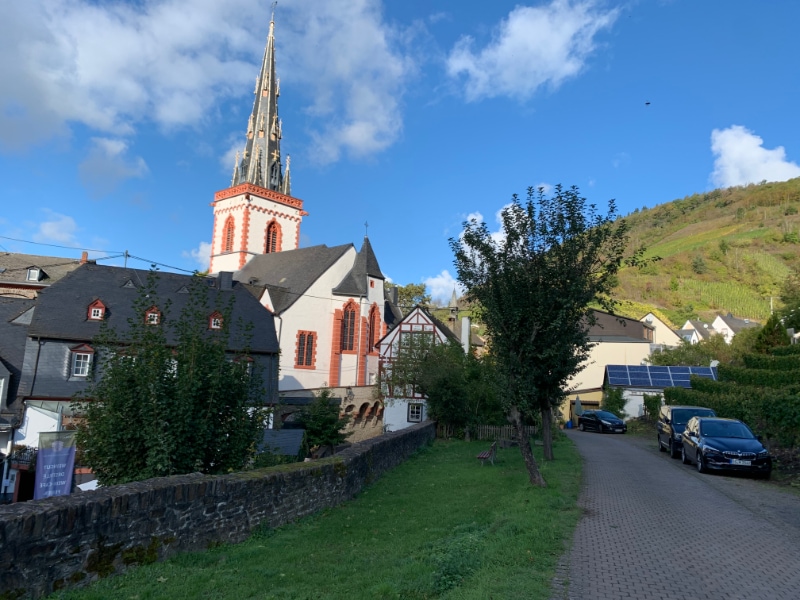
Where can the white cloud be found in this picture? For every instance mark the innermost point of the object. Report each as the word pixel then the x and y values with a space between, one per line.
pixel 108 165
pixel 533 47
pixel 441 286
pixel 56 229
pixel 201 255
pixel 741 159
pixel 110 65
pixel 352 62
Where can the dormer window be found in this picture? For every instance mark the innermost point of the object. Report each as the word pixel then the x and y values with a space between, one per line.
pixel 215 321
pixel 34 274
pixel 152 316
pixel 80 360
pixel 97 311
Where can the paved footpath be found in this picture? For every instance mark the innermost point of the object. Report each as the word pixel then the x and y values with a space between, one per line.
pixel 654 528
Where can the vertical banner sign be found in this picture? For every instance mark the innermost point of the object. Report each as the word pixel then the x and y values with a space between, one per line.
pixel 54 464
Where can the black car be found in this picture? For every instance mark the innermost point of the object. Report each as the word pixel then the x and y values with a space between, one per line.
pixel 601 421
pixel 715 444
pixel 671 423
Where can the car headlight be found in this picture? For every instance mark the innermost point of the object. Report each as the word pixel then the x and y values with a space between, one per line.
pixel 711 450
pixel 763 454
pixel 605 422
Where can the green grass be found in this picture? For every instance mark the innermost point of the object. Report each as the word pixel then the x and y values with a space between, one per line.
pixel 438 526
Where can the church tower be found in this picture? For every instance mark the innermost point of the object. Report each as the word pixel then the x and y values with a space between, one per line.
pixel 257 214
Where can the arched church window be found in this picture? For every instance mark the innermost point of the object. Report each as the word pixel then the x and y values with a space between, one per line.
pixel 349 328
pixel 273 174
pixel 374 327
pixel 227 235
pixel 273 243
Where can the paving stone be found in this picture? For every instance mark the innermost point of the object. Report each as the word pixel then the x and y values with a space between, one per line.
pixel 655 528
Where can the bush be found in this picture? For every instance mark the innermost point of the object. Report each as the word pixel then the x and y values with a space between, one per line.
pixel 614 401
pixel 652 404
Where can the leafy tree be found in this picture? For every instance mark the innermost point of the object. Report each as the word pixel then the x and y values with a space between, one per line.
pixel 160 410
pixel 532 288
pixel 614 401
pixel 322 422
pixel 412 294
pixel 460 388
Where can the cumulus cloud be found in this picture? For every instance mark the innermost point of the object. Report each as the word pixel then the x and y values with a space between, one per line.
pixel 56 229
pixel 200 255
pixel 741 159
pixel 534 46
pixel 441 286
pixel 354 64
pixel 108 165
pixel 110 65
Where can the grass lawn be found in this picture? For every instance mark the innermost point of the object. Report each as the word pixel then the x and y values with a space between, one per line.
pixel 438 526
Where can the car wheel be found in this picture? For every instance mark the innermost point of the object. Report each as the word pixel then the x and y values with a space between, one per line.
pixel 660 446
pixel 684 458
pixel 581 427
pixel 673 453
pixel 701 466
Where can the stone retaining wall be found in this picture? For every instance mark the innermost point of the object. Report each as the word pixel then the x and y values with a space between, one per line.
pixel 51 544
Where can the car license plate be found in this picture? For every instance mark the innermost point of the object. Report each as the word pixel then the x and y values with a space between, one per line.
pixel 618 429
pixel 744 463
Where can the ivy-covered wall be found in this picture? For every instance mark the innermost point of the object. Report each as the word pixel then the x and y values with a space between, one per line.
pixel 66 541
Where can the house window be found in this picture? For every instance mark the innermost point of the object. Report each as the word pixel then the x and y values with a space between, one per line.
pixel 415 413
pixel 349 328
pixel 306 341
pixel 227 235
pixel 152 316
pixel 97 311
pixel 81 360
pixel 273 238
pixel 215 321
pixel 33 274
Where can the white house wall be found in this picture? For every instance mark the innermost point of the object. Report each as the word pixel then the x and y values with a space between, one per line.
pixel 35 421
pixel 608 353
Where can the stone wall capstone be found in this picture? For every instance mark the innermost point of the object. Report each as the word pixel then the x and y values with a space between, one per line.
pixel 67 541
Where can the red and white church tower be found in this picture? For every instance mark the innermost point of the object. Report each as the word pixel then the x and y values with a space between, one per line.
pixel 257 213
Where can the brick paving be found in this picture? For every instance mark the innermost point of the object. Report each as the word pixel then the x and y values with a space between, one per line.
pixel 654 528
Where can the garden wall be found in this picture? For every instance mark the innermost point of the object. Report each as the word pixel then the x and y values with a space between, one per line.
pixel 60 542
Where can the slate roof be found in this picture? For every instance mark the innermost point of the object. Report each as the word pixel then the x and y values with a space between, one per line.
pixel 61 310
pixel 16 268
pixel 735 324
pixel 704 329
pixel 286 442
pixel 12 340
pixel 365 265
pixel 287 275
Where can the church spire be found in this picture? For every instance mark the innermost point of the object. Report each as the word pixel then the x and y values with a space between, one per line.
pixel 261 159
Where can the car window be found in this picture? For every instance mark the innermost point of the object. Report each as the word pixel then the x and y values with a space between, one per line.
pixel 726 429
pixel 682 415
pixel 606 415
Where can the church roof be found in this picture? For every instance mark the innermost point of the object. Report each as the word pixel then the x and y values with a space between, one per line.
pixel 365 265
pixel 260 161
pixel 287 275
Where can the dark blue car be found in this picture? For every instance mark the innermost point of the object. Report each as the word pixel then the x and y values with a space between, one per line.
pixel 601 421
pixel 715 444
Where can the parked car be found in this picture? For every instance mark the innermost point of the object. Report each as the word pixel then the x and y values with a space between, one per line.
pixel 671 423
pixel 601 421
pixel 715 444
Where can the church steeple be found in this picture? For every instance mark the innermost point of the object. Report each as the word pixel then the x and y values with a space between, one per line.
pixel 260 163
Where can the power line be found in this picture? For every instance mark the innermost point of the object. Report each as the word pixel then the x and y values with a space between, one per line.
pixel 5 237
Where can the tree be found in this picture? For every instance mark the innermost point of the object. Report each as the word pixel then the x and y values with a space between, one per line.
pixel 408 296
pixel 158 409
pixel 322 422
pixel 532 288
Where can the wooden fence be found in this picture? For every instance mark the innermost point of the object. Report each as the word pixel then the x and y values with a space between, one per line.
pixel 484 432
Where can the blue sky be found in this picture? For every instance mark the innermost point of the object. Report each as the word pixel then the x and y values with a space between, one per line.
pixel 119 120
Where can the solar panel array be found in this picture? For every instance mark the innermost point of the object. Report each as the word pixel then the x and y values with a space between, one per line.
pixel 658 377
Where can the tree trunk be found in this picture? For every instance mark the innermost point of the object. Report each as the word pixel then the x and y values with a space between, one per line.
pixel 525 448
pixel 547 432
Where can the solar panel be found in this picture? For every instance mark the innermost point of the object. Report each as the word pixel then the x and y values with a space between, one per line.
pixel 655 376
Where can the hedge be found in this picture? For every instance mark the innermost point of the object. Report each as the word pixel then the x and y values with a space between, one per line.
pixel 758 377
pixel 772 363
pixel 785 350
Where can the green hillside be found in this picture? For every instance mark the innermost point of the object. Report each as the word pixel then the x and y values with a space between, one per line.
pixel 723 251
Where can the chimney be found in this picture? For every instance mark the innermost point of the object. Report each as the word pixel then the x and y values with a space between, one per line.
pixel 466 333
pixel 84 257
pixel 225 279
